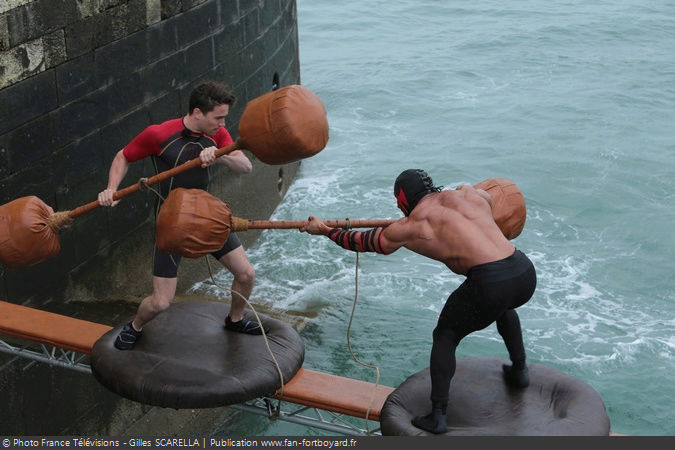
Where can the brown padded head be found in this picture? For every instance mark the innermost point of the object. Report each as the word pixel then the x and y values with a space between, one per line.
pixel 25 235
pixel 192 223
pixel 508 205
pixel 285 125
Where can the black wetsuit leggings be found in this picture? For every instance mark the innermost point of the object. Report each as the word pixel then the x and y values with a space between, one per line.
pixel 490 293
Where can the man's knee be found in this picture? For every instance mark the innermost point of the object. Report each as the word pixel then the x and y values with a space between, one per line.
pixel 444 333
pixel 159 302
pixel 245 275
pixel 507 322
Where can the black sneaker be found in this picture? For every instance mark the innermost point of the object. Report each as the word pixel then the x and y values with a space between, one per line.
pixel 127 337
pixel 244 326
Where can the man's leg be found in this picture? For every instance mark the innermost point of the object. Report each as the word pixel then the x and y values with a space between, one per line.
pixel 244 276
pixel 164 290
pixel 442 368
pixel 508 326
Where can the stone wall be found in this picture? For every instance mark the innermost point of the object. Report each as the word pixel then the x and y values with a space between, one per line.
pixel 80 78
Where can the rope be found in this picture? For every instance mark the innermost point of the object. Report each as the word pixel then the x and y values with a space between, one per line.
pixel 59 220
pixel 267 344
pixel 349 345
pixel 143 185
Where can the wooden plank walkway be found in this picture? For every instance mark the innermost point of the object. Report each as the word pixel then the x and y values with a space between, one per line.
pixel 308 388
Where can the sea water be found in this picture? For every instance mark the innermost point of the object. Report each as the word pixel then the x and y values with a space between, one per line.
pixel 572 100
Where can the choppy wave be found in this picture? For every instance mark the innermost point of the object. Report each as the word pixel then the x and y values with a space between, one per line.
pixel 574 102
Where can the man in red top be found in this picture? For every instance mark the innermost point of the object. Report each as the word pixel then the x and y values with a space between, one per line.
pixel 198 134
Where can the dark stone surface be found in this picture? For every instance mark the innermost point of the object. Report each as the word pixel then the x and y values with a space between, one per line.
pixel 76 78
pixel 67 124
pixel 27 100
pixel 58 136
pixel 24 23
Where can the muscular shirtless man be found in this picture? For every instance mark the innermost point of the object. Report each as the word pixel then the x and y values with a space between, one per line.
pixel 456 228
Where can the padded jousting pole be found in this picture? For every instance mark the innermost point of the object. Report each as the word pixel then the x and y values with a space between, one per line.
pixel 239 224
pixel 279 127
pixel 193 223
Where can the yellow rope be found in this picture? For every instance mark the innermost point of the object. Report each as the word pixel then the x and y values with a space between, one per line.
pixel 281 376
pixel 349 345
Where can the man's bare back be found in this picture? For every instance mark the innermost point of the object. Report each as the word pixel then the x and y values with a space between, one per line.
pixel 453 227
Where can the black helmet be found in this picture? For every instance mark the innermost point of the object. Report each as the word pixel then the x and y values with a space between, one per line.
pixel 410 186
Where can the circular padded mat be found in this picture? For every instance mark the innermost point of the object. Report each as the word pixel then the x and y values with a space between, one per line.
pixel 555 404
pixel 186 359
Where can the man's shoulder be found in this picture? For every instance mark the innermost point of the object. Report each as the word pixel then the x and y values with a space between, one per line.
pixel 166 128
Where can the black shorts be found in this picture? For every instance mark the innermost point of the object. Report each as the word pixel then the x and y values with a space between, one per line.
pixel 489 290
pixel 165 265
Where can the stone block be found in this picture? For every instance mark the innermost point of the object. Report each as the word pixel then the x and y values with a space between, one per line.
pixel 21 62
pixel 127 18
pixel 25 101
pixel 4 33
pixel 24 23
pixel 118 98
pixel 198 22
pixel 163 76
pixel 76 78
pixel 187 4
pixel 153 12
pixel 52 275
pixel 115 135
pixel 269 13
pixel 162 39
pixel 4 161
pixel 40 179
pixel 29 143
pixel 199 59
pixel 121 58
pixel 229 11
pixel 165 107
pixel 82 159
pixel 251 58
pixel 251 24
pixel 228 42
pixel 85 35
pixel 170 8
pixel 246 6
pixel 79 118
pixel 55 14
pixel 54 45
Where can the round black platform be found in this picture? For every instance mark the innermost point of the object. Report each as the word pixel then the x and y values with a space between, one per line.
pixel 555 404
pixel 186 359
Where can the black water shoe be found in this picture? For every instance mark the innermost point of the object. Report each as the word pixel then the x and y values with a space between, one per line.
pixel 127 337
pixel 244 326
pixel 434 422
pixel 516 378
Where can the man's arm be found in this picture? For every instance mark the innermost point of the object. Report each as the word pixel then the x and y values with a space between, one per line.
pixel 236 161
pixel 379 240
pixel 118 169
